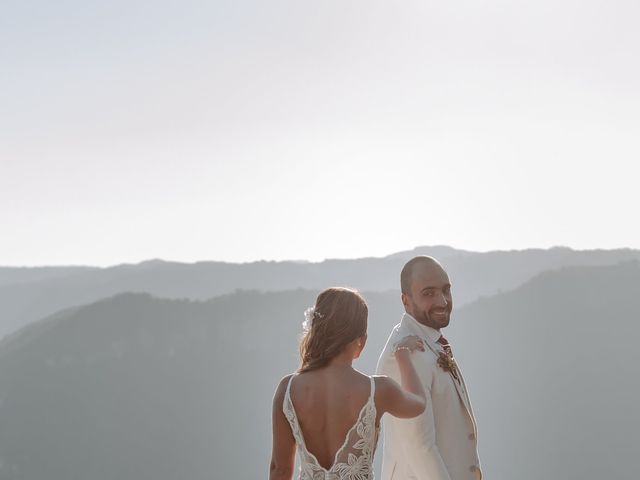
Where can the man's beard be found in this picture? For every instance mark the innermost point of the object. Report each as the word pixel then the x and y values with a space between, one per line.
pixel 431 320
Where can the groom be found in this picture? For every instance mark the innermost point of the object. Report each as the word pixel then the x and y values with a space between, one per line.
pixel 441 443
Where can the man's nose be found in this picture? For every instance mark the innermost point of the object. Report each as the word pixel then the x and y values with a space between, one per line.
pixel 441 300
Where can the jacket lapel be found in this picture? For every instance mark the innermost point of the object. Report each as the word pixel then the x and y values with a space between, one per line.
pixel 412 329
pixel 459 385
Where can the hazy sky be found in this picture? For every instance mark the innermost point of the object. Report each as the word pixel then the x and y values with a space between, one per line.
pixel 244 130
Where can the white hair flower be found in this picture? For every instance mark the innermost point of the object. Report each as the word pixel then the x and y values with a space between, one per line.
pixel 309 314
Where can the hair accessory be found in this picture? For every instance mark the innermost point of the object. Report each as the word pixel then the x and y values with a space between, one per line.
pixel 309 314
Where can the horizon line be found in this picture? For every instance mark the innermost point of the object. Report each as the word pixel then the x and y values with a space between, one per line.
pixel 157 260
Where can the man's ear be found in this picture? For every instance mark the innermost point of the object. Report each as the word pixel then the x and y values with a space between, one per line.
pixel 405 300
pixel 359 344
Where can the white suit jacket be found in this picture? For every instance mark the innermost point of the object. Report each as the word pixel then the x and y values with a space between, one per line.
pixel 441 443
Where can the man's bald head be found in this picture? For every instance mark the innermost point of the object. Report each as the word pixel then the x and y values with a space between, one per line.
pixel 406 275
pixel 426 292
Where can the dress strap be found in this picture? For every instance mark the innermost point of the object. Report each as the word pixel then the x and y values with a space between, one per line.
pixel 373 387
pixel 287 394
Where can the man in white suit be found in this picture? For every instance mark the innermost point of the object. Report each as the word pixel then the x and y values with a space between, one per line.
pixel 441 443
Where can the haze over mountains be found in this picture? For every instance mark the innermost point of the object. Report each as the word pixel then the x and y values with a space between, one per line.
pixel 139 387
pixel 30 294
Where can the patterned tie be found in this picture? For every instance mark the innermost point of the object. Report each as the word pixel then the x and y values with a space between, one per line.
pixel 445 344
pixel 447 361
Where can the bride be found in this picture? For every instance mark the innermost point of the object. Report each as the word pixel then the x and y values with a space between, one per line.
pixel 328 410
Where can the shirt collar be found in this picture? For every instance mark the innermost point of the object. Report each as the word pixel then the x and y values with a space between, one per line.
pixel 431 333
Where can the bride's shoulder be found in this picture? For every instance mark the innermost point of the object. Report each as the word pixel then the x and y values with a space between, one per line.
pixel 382 382
pixel 387 390
pixel 385 385
pixel 282 386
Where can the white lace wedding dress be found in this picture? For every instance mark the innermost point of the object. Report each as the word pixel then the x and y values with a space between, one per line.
pixel 353 460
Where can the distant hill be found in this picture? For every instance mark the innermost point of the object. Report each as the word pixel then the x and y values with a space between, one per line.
pixel 554 368
pixel 474 275
pixel 135 387
pixel 22 275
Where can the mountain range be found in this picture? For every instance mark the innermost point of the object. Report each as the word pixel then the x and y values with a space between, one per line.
pixel 28 294
pixel 138 387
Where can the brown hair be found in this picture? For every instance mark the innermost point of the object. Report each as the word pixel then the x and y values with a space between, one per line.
pixel 340 316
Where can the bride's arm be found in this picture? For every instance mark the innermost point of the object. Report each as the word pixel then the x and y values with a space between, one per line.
pixel 409 400
pixel 284 446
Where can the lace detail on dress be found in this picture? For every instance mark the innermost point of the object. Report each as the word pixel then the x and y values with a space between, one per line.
pixel 353 460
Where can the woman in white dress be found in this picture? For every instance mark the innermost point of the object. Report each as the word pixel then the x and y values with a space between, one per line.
pixel 328 410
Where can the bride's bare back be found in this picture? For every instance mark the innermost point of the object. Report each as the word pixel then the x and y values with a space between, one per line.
pixel 328 402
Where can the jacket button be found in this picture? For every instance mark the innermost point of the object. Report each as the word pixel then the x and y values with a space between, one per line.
pixel 472 436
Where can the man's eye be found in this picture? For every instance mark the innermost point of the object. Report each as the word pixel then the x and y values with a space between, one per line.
pixel 428 294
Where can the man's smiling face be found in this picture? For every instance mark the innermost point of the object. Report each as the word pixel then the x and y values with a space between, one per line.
pixel 429 299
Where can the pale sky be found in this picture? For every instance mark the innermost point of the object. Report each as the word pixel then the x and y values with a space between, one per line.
pixel 247 130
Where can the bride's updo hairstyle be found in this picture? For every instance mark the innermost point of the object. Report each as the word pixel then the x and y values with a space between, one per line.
pixel 337 319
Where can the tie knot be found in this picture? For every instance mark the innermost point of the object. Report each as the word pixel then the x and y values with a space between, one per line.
pixel 443 341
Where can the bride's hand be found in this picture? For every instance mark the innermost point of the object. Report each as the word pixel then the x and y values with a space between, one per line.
pixel 410 343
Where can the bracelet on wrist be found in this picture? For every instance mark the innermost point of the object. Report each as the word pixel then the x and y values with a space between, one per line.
pixel 402 347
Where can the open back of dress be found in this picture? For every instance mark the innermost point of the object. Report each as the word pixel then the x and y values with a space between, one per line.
pixel 353 460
